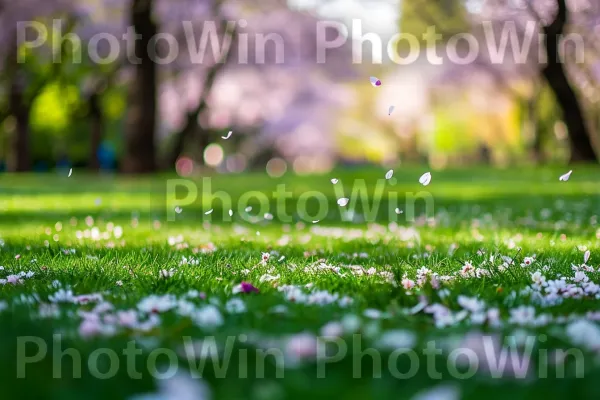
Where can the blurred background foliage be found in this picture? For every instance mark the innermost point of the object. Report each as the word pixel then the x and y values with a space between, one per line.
pixel 303 116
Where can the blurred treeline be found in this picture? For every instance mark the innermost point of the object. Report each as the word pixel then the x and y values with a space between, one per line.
pixel 118 108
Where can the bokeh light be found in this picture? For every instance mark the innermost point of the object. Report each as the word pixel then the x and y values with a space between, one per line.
pixel 213 155
pixel 276 167
pixel 184 166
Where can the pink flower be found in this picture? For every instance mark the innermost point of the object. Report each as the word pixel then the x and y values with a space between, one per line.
pixel 245 287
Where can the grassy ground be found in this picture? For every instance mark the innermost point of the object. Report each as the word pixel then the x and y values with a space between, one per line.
pixel 117 287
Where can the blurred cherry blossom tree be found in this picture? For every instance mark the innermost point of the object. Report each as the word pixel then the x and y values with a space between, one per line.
pixel 175 86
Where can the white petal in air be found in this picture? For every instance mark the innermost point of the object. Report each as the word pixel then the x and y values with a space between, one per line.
pixel 70 172
pixel 208 212
pixel 425 179
pixel 565 177
pixel 248 209
pixel 316 221
pixel 334 181
pixel 268 216
pixel 343 202
pixel 389 174
pixel 391 110
pixel 375 82
pixel 178 210
pixel 586 256
pixel 399 211
pixel 230 213
pixel 228 135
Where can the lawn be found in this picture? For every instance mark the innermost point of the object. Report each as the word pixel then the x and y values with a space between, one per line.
pixel 485 285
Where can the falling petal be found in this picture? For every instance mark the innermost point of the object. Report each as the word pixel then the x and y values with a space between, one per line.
pixel 257 233
pixel 228 135
pixel 208 212
pixel 391 110
pixel 334 181
pixel 389 174
pixel 375 82
pixel 268 216
pixel 343 202
pixel 586 256
pixel 316 221
pixel 70 172
pixel 178 210
pixel 425 179
pixel 399 211
pixel 565 177
pixel 230 213
pixel 248 209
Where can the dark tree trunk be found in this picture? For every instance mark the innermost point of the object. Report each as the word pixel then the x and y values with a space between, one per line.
pixel 20 146
pixel 191 127
pixel 96 130
pixel 555 74
pixel 140 147
pixel 182 138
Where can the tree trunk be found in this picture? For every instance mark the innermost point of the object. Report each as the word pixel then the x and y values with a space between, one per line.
pixel 20 160
pixel 140 147
pixel 96 130
pixel 555 74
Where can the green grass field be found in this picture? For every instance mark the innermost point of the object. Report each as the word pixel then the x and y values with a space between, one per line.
pixel 117 287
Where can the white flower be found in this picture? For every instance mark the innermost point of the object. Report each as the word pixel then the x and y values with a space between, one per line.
pixel 157 304
pixel 208 317
pixel 166 274
pixel 584 333
pixel 268 278
pixel 265 258
pixel 471 304
pixel 179 387
pixel 235 306
pixel 301 346
pixel 372 313
pixel 522 315
pixel 397 339
pixel 408 283
pixel 62 296
pixel 527 261
pixel 440 392
pixel 332 329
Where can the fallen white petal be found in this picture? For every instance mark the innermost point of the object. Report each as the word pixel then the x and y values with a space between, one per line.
pixel 425 179
pixel 343 202
pixel 228 135
pixel 565 177
pixel 586 256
